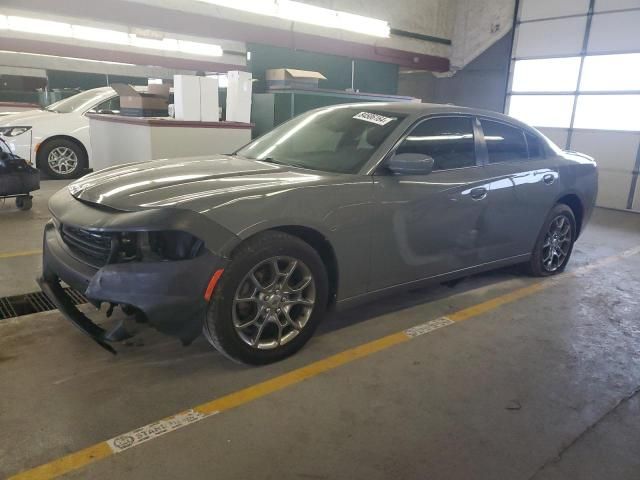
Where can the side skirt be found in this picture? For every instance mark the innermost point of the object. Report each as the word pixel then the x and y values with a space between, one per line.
pixel 445 277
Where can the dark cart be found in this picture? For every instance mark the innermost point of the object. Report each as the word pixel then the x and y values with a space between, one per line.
pixel 17 178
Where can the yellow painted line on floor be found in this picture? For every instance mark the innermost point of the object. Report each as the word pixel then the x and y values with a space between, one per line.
pixel 99 451
pixel 26 253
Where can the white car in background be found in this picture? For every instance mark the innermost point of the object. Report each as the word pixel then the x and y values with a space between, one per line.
pixel 56 139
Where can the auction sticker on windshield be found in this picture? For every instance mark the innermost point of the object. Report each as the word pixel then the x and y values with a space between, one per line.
pixel 374 118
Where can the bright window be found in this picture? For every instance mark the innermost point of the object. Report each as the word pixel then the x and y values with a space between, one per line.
pixel 611 72
pixel 608 112
pixel 542 110
pixel 546 75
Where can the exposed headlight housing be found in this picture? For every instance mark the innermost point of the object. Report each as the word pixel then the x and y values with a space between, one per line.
pixel 13 131
pixel 105 248
pixel 174 245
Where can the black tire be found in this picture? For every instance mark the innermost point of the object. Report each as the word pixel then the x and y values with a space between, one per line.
pixel 24 203
pixel 218 326
pixel 537 265
pixel 61 143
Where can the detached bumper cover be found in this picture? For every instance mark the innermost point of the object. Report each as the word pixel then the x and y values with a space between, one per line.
pixel 170 293
pixel 57 295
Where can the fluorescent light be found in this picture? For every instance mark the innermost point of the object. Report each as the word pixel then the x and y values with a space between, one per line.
pixel 35 25
pixel 309 14
pixel 77 59
pixel 100 35
pixel 169 44
pixel 196 48
pixel 107 36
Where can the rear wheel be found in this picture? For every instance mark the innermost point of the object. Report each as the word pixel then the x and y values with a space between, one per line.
pixel 62 159
pixel 269 301
pixel 555 243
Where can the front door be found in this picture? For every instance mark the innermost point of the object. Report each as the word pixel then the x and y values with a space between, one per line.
pixel 432 224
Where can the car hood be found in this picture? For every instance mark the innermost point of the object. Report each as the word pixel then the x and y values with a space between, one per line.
pixel 205 181
pixel 26 119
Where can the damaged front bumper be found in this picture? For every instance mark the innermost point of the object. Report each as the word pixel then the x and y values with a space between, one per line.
pixel 170 294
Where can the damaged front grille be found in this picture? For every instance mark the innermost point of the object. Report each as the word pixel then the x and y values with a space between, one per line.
pixel 101 248
pixel 94 247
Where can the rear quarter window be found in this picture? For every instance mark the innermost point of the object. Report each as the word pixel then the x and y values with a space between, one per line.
pixel 534 145
pixel 505 143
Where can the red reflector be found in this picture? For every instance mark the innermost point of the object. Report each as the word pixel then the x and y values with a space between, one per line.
pixel 212 284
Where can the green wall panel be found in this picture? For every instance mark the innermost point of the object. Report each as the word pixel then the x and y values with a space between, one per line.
pixel 336 69
pixel 376 77
pixel 83 81
pixel 370 77
pixel 142 81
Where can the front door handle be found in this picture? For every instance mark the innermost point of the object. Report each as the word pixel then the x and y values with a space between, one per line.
pixel 549 178
pixel 479 193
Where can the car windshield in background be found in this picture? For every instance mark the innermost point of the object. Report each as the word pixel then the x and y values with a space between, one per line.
pixel 75 103
pixel 337 139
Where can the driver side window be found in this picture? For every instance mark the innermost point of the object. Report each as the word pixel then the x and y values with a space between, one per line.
pixel 448 140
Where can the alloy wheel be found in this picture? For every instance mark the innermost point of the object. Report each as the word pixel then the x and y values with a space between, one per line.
pixel 62 160
pixel 274 302
pixel 557 244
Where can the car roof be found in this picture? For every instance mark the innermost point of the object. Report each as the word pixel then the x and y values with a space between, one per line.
pixel 416 109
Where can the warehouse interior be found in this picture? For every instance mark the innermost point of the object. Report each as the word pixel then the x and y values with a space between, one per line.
pixel 490 372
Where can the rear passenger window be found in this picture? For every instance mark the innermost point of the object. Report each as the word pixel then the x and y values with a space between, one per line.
pixel 504 143
pixel 535 147
pixel 448 140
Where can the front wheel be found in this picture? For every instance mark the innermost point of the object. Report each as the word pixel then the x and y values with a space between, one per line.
pixel 555 243
pixel 269 301
pixel 62 159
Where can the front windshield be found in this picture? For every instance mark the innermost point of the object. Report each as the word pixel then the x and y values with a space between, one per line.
pixel 338 139
pixel 76 103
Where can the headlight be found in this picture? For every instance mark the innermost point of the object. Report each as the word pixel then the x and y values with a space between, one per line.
pixel 13 131
pixel 174 245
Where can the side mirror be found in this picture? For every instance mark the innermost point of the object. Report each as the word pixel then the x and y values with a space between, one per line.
pixel 411 164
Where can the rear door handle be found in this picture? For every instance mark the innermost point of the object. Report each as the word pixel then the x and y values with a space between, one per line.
pixel 549 178
pixel 479 193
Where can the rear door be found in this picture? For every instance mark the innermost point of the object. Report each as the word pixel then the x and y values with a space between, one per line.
pixel 428 225
pixel 523 186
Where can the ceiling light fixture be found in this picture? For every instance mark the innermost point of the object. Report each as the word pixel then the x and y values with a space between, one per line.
pixel 310 14
pixel 107 36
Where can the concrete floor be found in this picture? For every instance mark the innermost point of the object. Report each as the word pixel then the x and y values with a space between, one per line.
pixel 21 235
pixel 542 388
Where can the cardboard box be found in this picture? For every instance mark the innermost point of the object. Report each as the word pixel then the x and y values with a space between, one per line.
pixel 292 78
pixel 152 103
pixel 209 100
pixel 239 97
pixel 186 93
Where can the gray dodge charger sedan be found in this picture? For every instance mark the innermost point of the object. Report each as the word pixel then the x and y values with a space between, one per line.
pixel 335 207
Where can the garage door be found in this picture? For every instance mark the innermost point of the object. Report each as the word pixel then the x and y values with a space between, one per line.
pixel 575 74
